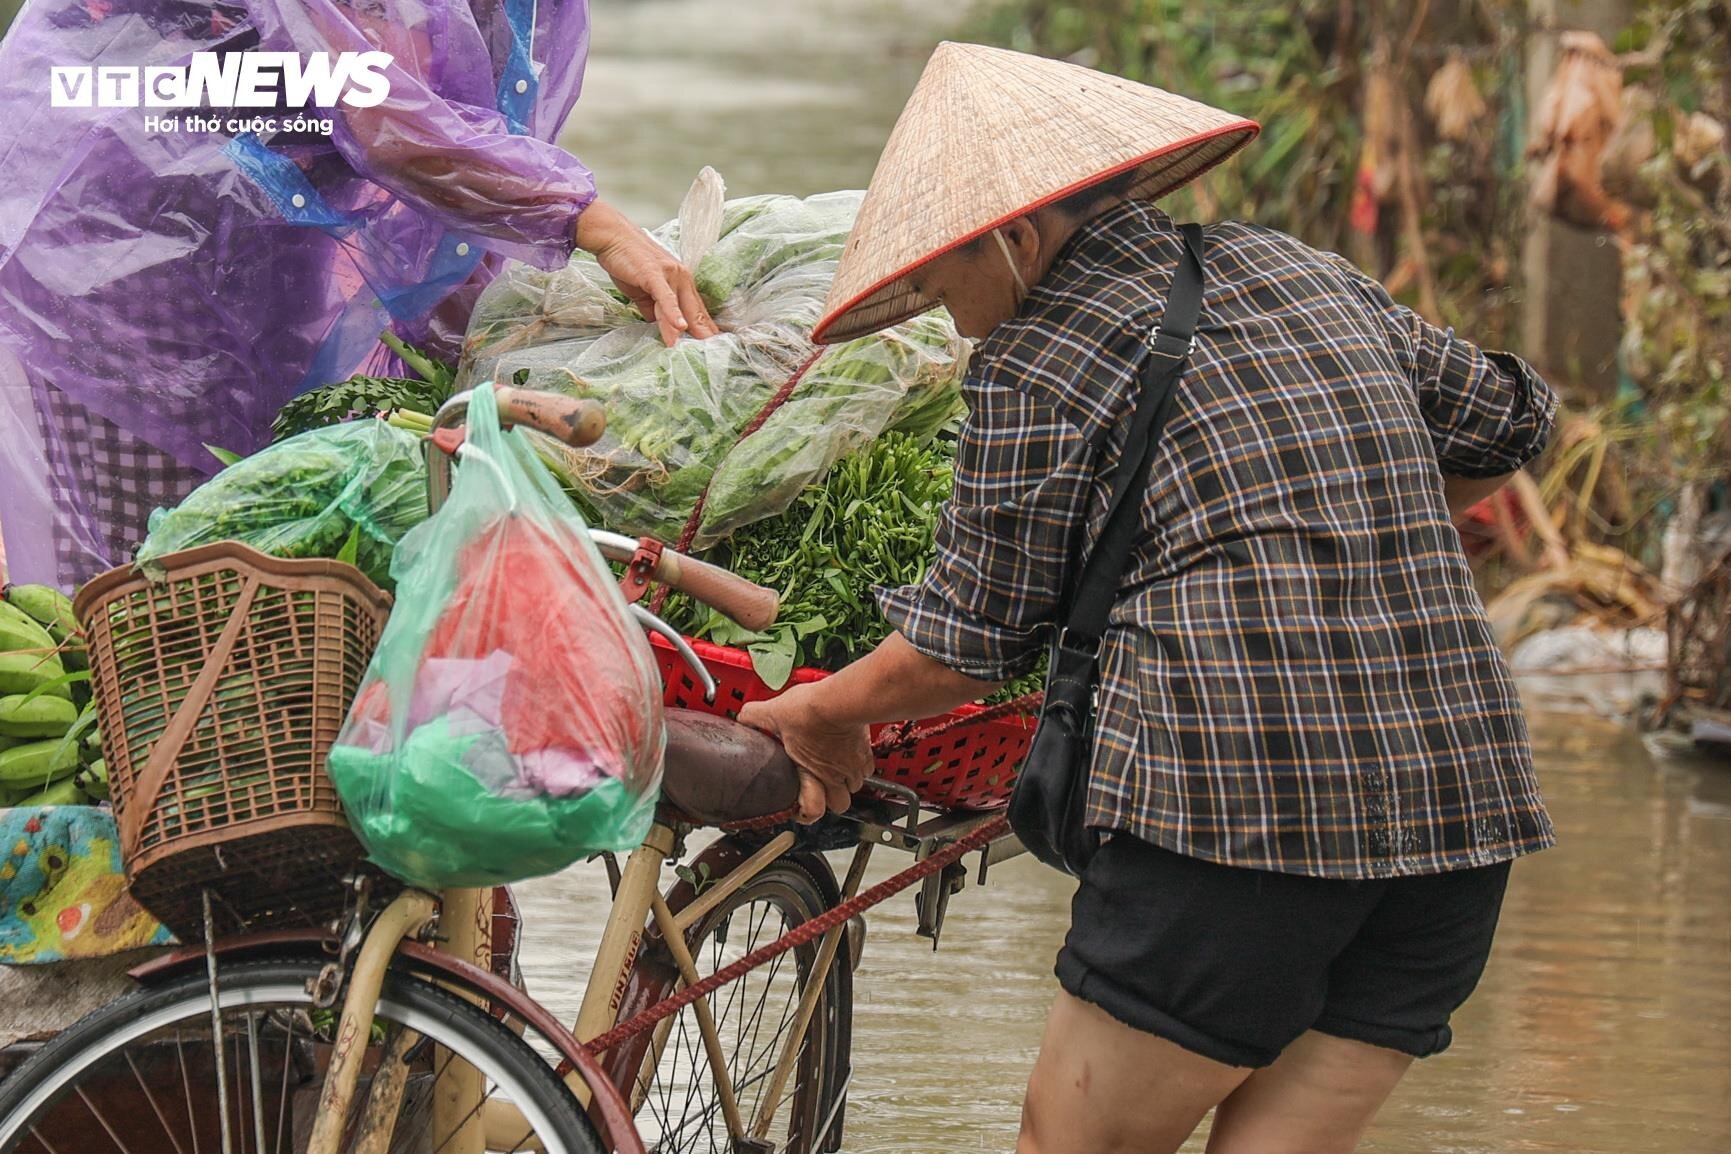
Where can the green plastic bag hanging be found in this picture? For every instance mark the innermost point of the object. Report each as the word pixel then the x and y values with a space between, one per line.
pixel 510 722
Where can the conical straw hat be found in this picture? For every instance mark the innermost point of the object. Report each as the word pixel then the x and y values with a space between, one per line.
pixel 989 135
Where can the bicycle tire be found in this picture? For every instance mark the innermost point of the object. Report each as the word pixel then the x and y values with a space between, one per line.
pixel 801 887
pixel 35 1089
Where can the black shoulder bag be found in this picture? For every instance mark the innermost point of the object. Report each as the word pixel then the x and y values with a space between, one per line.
pixel 1048 807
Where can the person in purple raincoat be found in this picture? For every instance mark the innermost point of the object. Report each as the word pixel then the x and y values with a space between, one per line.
pixel 162 291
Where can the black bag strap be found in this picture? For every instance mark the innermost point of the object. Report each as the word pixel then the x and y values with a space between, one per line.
pixel 1096 588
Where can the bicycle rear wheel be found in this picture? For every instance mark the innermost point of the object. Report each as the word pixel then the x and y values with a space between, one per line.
pixel 681 1110
pixel 140 1075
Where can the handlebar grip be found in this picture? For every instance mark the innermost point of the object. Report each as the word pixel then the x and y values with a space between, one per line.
pixel 576 422
pixel 750 604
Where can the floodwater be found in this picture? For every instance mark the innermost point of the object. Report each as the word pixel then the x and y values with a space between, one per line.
pixel 1603 1024
pixel 789 96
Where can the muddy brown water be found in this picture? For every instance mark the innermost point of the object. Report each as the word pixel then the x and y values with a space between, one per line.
pixel 1603 1024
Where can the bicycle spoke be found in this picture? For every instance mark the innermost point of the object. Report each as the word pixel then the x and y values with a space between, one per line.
pixel 750 945
pixel 750 1074
pixel 762 1003
pixel 186 1084
pixel 688 1048
pixel 151 1098
pixel 239 1117
pixel 763 1074
pixel 114 1083
pixel 97 1114
pixel 283 1094
pixel 257 1083
pixel 755 1017
pixel 474 1110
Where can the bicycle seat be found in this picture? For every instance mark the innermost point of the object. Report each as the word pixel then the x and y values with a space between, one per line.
pixel 719 771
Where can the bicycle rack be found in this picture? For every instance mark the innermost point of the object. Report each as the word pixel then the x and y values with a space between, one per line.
pixel 893 819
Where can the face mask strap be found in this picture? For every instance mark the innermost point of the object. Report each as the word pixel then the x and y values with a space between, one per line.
pixel 1004 248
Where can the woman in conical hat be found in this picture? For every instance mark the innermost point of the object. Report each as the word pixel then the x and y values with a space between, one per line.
pixel 1308 771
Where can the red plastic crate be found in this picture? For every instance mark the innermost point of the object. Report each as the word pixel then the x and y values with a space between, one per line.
pixel 971 766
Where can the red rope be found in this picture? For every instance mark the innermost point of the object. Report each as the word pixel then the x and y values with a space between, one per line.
pixel 799 936
pixel 898 737
pixel 1026 704
pixel 689 533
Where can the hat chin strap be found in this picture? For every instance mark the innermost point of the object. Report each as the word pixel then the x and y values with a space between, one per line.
pixel 1003 247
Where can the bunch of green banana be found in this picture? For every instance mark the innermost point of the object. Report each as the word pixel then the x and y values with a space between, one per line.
pixel 50 748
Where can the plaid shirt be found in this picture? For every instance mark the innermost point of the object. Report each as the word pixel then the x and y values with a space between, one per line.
pixel 1298 675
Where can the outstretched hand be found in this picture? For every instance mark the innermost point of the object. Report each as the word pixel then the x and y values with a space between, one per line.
pixel 652 278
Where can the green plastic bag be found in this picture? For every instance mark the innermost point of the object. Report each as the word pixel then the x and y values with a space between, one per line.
pixel 510 722
pixel 346 489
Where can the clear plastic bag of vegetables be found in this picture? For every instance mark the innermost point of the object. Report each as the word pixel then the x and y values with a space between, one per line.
pixel 675 415
pixel 510 722
pixel 346 491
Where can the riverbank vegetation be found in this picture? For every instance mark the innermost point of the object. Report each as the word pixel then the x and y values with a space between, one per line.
pixel 1401 135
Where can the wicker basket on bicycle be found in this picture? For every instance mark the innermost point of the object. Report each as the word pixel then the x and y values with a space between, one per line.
pixel 220 684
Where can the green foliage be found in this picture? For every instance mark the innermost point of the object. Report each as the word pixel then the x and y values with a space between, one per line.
pixel 1298 68
pixel 869 522
pixel 1677 263
pixel 1267 61
pixel 363 396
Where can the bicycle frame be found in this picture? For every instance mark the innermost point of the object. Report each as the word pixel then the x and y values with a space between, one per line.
pixel 463 921
pixel 464 924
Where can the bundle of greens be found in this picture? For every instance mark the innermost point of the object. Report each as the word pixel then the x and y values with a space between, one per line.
pixel 347 491
pixel 907 372
pixel 868 522
pixel 675 415
pixel 362 395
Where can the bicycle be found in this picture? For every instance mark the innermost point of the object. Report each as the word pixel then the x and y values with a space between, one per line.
pixel 399 1032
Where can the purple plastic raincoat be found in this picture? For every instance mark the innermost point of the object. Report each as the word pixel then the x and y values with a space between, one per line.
pixel 164 291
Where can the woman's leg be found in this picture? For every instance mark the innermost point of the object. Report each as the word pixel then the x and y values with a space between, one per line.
pixel 1101 1087
pixel 1316 1098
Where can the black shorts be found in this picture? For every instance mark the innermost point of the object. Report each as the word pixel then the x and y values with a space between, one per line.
pixel 1234 964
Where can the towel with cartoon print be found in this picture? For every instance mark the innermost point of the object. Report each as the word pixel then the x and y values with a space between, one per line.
pixel 62 892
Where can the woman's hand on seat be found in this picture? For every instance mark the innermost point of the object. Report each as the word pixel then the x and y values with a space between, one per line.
pixel 833 759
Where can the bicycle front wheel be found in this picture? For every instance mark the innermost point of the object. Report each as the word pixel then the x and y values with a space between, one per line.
pixel 680 1109
pixel 140 1075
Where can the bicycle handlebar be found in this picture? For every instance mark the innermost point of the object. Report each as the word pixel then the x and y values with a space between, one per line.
pixel 568 419
pixel 752 605
pixel 577 423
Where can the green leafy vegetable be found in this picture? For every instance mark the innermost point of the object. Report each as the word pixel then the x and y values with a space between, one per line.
pixel 869 522
pixel 351 489
pixel 675 415
pixel 363 396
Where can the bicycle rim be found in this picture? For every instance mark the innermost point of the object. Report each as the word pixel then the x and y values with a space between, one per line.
pixel 682 1111
pixel 139 1075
